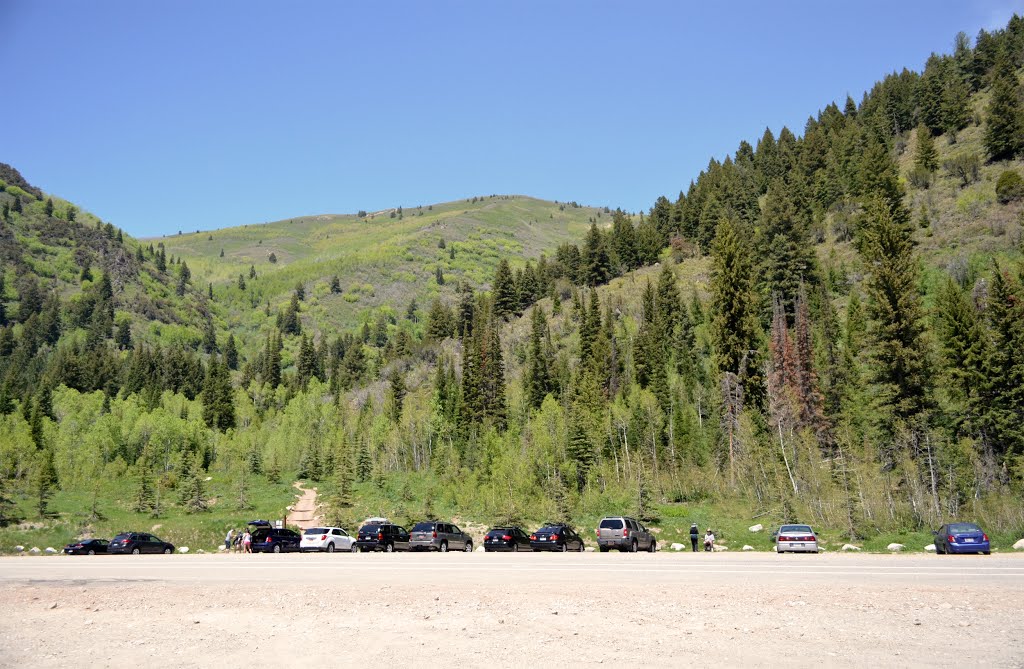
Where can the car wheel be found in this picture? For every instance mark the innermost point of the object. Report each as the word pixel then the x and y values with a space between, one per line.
pixel 444 547
pixel 353 548
pixel 330 548
pixel 469 547
pixel 632 546
pixel 389 548
pixel 515 548
pixel 136 551
pixel 653 547
pixel 167 551
pixel 277 548
pixel 581 548
pixel 92 552
pixel 564 548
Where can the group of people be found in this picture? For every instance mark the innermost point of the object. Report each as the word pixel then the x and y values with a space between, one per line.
pixel 240 541
pixel 709 538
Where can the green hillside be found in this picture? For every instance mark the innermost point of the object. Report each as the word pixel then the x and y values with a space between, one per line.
pixel 826 328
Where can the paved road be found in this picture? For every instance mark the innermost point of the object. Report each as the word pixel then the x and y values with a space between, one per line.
pixel 663 610
pixel 526 569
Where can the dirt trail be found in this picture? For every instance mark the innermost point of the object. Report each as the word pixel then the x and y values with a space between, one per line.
pixel 303 513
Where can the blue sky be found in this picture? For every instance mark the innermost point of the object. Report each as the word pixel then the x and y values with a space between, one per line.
pixel 160 116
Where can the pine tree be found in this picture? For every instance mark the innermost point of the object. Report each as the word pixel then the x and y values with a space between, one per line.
pixel 124 335
pixel 1004 117
pixel 142 500
pixel 670 305
pixel 580 451
pixel 537 381
pixel 396 391
pixel 209 337
pixel 218 397
pixel 506 301
pixel 231 352
pixel 596 261
pixel 290 323
pixel 191 490
pixel 926 157
pixel 624 242
pixel 184 276
pixel 161 259
pixel 440 323
pixel 44 480
pixel 1005 366
pixel 272 360
pixel 464 319
pixel 307 361
pixel 734 324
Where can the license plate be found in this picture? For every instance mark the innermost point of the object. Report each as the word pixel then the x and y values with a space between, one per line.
pixel 968 541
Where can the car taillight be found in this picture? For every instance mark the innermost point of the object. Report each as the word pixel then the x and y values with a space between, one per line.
pixel 533 537
pixel 323 537
pixel 951 538
pixel 984 537
pixel 598 531
pixel 380 536
pixel 506 537
pixel 435 534
pixel 625 532
pixel 554 537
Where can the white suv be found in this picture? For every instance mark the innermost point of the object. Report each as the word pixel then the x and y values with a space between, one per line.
pixel 327 539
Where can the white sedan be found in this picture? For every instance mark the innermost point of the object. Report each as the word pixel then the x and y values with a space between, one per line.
pixel 326 539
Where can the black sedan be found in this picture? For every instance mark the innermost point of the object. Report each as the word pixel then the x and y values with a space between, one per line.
pixel 556 537
pixel 139 542
pixel 506 539
pixel 86 547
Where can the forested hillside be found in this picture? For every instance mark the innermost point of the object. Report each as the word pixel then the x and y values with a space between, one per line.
pixel 826 327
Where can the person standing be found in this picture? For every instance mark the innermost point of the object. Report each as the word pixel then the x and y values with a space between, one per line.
pixel 247 542
pixel 694 534
pixel 227 539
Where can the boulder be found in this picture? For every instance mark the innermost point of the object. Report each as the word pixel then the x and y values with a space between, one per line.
pixel 221 548
pixel 930 548
pixel 202 552
pixel 719 548
pixel 480 549
pixel 756 528
pixel 748 548
pixel 678 547
pixel 50 550
pixel 588 549
pixel 34 550
pixel 850 547
pixel 895 548
pixel 183 549
pixel 19 549
pixel 1019 546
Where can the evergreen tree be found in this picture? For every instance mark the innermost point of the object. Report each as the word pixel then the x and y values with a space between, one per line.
pixel 1005 366
pixel 272 360
pixel 231 352
pixel 537 381
pixel 506 301
pixel 439 276
pixel 397 391
pixel 290 323
pixel 734 324
pixel 241 282
pixel 335 284
pixel 44 480
pixel 161 259
pixel 124 335
pixel 306 366
pixel 143 498
pixel 580 451
pixel 596 261
pixel 1004 117
pixel 467 307
pixel 789 258
pixel 669 304
pixel 926 157
pixel 218 397
pixel 184 276
pixel 624 242
pixel 440 321
pixel 191 490
pixel 209 337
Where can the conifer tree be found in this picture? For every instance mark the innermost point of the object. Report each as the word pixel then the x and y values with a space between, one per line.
pixel 505 299
pixel 537 381
pixel 396 391
pixel 142 500
pixel 1005 367
pixel 306 367
pixel 580 451
pixel 624 242
pixel 926 157
pixel 191 490
pixel 670 305
pixel 597 263
pixel 124 335
pixel 1004 117
pixel 290 323
pixel 231 352
pixel 44 480
pixel 734 322
pixel 464 320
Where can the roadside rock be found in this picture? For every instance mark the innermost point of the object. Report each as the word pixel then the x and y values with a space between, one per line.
pixel 50 550
pixel 202 552
pixel 1019 546
pixel 19 549
pixel 719 548
pixel 183 549
pixel 748 548
pixel 895 548
pixel 930 548
pixel 756 528
pixel 850 547
pixel 677 547
pixel 589 549
pixel 34 550
pixel 221 548
pixel 479 549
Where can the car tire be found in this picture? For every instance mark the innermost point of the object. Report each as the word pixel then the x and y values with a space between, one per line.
pixel 632 546
pixel 277 548
pixel 330 548
pixel 469 547
pixel 443 547
pixel 353 549
pixel 136 551
pixel 91 552
pixel 167 551
pixel 564 548
pixel 653 547
pixel 581 548
pixel 389 548
pixel 515 548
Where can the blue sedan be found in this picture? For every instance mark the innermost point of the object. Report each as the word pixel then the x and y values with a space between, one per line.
pixel 961 538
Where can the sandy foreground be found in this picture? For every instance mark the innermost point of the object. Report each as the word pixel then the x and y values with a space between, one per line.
pixel 487 609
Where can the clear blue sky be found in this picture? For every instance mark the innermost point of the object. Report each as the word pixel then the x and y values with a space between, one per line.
pixel 160 116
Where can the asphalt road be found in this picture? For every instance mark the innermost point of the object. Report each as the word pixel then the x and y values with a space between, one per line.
pixel 662 610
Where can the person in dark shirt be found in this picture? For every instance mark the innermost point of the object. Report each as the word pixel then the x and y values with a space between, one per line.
pixel 694 533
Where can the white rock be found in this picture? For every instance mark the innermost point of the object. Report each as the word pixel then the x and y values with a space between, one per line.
pixel 208 478
pixel 19 549
pixel 480 549
pixel 895 548
pixel 719 548
pixel 850 547
pixel 183 549
pixel 221 548
pixel 677 547
pixel 34 550
pixel 775 549
pixel 50 550
pixel 748 548
pixel 1019 546
pixel 756 528
pixel 930 548
pixel 202 552
pixel 588 549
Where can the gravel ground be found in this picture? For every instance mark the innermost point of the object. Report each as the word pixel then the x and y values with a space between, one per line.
pixel 661 610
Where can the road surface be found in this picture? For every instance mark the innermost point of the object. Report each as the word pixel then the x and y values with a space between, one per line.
pixel 502 609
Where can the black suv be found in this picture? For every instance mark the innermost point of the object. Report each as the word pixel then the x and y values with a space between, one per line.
pixel 382 537
pixel 556 537
pixel 138 542
pixel 275 540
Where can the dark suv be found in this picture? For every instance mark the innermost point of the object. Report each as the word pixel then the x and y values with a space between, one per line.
pixel 443 537
pixel 275 540
pixel 138 542
pixel 625 534
pixel 556 537
pixel 382 537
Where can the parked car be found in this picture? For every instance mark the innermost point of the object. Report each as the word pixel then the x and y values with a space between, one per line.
pixel 382 537
pixel 138 542
pixel 506 539
pixel 275 540
pixel 326 539
pixel 434 536
pixel 961 538
pixel 625 534
pixel 556 537
pixel 796 539
pixel 87 547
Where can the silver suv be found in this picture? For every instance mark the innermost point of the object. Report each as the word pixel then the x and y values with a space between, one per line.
pixel 625 534
pixel 434 536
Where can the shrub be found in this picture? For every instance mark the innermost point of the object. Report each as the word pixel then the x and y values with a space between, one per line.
pixel 920 178
pixel 966 166
pixel 1009 187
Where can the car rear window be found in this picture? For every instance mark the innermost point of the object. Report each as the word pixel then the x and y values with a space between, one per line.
pixel 796 528
pixel 611 524
pixel 121 537
pixel 499 531
pixel 423 527
pixel 369 529
pixel 958 528
pixel 316 530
